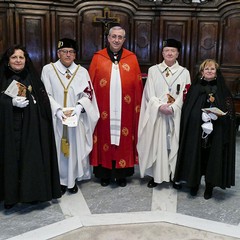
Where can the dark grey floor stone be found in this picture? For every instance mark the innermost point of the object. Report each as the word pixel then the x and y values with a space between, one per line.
pixel 134 197
pixel 25 217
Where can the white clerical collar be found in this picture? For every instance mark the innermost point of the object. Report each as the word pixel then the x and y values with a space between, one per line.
pixel 174 68
pixel 62 69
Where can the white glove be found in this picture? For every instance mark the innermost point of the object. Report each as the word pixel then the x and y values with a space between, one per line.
pixel 166 109
pixel 206 117
pixel 77 110
pixel 213 116
pixel 60 115
pixel 20 102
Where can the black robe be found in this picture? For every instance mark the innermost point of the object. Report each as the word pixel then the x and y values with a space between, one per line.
pixel 216 159
pixel 28 159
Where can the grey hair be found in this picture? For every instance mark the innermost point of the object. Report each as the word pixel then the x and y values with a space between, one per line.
pixel 116 28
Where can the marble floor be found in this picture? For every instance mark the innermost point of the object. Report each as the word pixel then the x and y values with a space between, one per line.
pixel 134 212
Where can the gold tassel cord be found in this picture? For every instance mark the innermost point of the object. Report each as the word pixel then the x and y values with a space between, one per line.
pixel 64 141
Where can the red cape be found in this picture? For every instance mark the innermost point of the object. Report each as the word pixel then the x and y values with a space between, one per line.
pixel 100 72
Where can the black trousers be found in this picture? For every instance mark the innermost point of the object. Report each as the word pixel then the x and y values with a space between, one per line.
pixel 102 172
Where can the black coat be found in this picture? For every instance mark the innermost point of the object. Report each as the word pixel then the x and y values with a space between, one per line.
pixel 28 159
pixel 219 163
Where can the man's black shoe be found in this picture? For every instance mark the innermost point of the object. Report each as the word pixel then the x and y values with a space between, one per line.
pixel 122 182
pixel 194 191
pixel 74 189
pixel 152 184
pixel 105 182
pixel 208 192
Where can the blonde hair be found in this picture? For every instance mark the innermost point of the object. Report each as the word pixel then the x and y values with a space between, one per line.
pixel 207 62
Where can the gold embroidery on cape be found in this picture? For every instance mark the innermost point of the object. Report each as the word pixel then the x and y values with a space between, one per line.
pixel 94 139
pixel 125 131
pixel 126 67
pixel 104 115
pixel 105 147
pixel 137 109
pixel 103 82
pixel 127 99
pixel 122 163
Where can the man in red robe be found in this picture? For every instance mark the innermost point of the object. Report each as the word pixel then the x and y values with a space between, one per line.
pixel 117 82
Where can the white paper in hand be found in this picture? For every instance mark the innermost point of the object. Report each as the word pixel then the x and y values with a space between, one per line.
pixel 214 110
pixel 70 121
pixel 16 89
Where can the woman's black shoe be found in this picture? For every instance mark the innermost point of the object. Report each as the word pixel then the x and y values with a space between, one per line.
pixel 63 189
pixel 194 191
pixel 122 182
pixel 74 189
pixel 208 192
pixel 152 184
pixel 177 185
pixel 105 182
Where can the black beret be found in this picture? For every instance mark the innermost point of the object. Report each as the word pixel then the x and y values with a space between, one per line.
pixel 67 43
pixel 172 43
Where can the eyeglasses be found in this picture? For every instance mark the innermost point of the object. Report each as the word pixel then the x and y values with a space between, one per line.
pixel 67 51
pixel 120 37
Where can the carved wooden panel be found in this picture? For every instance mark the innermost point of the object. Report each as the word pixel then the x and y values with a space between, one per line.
pixel 3 31
pixel 179 28
pixel 142 48
pixel 92 35
pixel 67 27
pixel 208 40
pixel 231 40
pixel 33 34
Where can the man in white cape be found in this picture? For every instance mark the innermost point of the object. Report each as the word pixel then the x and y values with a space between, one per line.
pixel 69 86
pixel 158 133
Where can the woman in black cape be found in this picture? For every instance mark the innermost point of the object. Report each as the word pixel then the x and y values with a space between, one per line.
pixel 28 160
pixel 204 150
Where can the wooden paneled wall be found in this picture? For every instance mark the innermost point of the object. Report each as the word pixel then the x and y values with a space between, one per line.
pixel 206 31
